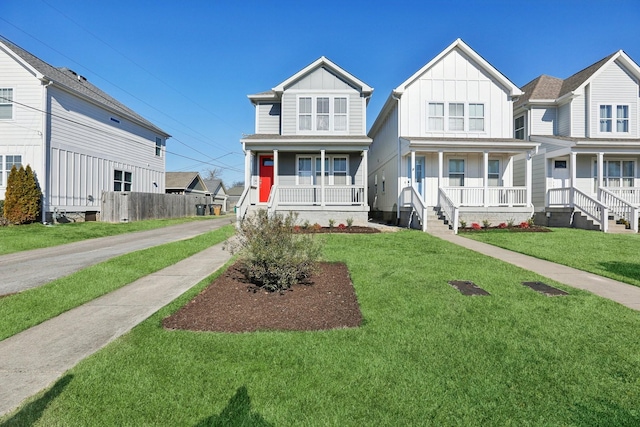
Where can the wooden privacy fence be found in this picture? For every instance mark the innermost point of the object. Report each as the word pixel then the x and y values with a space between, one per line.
pixel 118 206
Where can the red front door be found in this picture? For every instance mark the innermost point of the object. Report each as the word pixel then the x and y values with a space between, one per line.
pixel 266 177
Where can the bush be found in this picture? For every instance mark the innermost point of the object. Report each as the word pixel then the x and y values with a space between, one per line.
pixel 23 196
pixel 502 225
pixel 475 226
pixel 486 223
pixel 273 257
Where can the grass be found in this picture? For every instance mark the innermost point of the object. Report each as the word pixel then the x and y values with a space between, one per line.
pixel 426 355
pixel 610 255
pixel 34 236
pixel 31 307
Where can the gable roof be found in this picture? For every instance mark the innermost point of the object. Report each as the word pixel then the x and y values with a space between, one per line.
pixel 236 190
pixel 181 180
pixel 214 186
pixel 541 88
pixel 462 46
pixel 74 83
pixel 321 62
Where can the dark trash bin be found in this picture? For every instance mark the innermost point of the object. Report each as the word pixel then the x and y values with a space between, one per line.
pixel 200 210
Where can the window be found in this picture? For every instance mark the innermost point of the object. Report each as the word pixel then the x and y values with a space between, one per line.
pixel 494 173
pixel 323 114
pixel 518 128
pixel 340 171
pixel 158 146
pixel 336 170
pixel 6 164
pixel 319 170
pixel 622 118
pixel 436 116
pixel 476 117
pixel 617 173
pixel 304 171
pixel 560 164
pixel 456 116
pixel 6 104
pixel 122 180
pixel 456 172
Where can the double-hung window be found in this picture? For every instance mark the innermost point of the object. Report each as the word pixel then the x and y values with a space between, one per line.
pixel 323 114
pixel 617 173
pixel 607 118
pixel 336 170
pixel 456 172
pixel 319 170
pixel 122 180
pixel 6 163
pixel 518 128
pixel 158 147
pixel 305 175
pixel 340 170
pixel 476 117
pixel 6 103
pixel 436 116
pixel 455 117
pixel 493 173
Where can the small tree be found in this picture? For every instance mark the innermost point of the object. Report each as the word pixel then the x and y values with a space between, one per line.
pixel 23 196
pixel 273 256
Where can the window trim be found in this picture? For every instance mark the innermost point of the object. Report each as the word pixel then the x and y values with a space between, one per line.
pixel 464 170
pixel 446 118
pixel 158 146
pixel 329 173
pixel 4 170
pixel 314 115
pixel 10 103
pixel 622 177
pixel 517 129
pixel 497 175
pixel 613 119
pixel 123 181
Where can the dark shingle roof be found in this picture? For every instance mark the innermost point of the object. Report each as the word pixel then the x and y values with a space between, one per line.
pixel 179 180
pixel 78 84
pixel 572 83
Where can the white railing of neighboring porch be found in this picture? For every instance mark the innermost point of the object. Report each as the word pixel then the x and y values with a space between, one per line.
pixel 620 207
pixel 352 195
pixel 491 196
pixel 572 197
pixel 411 197
pixel 629 194
pixel 449 208
pixel 242 207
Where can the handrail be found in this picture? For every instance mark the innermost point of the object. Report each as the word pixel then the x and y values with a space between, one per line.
pixel 630 195
pixel 272 201
pixel 451 210
pixel 591 207
pixel 620 207
pixel 417 204
pixel 241 211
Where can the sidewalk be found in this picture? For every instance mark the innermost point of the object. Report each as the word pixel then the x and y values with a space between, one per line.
pixel 623 293
pixel 34 359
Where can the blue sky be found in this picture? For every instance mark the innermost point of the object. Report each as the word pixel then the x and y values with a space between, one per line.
pixel 189 65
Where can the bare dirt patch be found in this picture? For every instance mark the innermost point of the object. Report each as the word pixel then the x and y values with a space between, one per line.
pixel 231 304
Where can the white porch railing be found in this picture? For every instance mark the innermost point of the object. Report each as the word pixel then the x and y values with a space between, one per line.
pixel 629 194
pixel 410 197
pixel 242 207
pixel 449 208
pixel 572 197
pixel 491 196
pixel 301 195
pixel 620 207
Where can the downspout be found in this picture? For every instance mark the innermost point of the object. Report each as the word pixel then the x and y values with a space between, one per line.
pixel 45 155
pixel 399 162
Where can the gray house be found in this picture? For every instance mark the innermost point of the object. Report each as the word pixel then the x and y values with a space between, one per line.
pixel 309 150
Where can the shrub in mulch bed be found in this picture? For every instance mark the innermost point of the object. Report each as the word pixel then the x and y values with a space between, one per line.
pixel 354 229
pixel 514 229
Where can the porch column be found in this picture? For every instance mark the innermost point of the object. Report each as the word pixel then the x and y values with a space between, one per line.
pixel 572 169
pixel 322 177
pixel 247 168
pixel 440 166
pixel 365 176
pixel 275 167
pixel 485 178
pixel 412 176
pixel 600 170
pixel 528 177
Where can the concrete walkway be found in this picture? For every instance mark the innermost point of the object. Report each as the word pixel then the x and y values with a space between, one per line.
pixel 29 269
pixel 623 293
pixel 34 359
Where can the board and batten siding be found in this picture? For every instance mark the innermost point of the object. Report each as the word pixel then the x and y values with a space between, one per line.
pixel 543 121
pixel 268 118
pixel 614 86
pixel 22 135
pixel 456 78
pixel 86 146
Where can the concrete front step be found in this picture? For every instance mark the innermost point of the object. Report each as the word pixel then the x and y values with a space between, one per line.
pixel 619 228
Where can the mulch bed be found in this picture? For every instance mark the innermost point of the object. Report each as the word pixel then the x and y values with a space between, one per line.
pixel 232 304
pixel 355 229
pixel 531 229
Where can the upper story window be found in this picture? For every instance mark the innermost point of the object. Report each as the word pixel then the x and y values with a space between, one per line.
pixel 518 128
pixel 322 113
pixel 6 104
pixel 158 146
pixel 6 163
pixel 621 119
pixel 457 116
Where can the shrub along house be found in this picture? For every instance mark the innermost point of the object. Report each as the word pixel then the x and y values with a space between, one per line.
pixel 587 125
pixel 309 150
pixel 444 141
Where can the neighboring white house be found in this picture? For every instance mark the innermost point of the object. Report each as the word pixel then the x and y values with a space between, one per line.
pixel 309 150
pixel 78 140
pixel 589 134
pixel 444 141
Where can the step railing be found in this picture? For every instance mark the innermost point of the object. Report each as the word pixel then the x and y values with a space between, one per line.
pixel 449 208
pixel 629 194
pixel 592 208
pixel 410 197
pixel 619 207
pixel 242 207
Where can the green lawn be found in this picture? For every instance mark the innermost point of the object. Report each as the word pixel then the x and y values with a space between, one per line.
pixel 26 309
pixel 616 256
pixel 426 355
pixel 33 236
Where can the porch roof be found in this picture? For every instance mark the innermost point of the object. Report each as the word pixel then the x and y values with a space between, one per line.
pixel 501 145
pixel 592 145
pixel 306 142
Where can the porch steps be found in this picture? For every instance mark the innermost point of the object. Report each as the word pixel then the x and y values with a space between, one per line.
pixel 437 223
pixel 619 228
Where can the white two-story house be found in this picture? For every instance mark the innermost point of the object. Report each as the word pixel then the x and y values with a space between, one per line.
pixel 78 140
pixel 587 167
pixel 309 150
pixel 444 141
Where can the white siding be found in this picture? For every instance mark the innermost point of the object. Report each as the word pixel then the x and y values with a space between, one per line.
pixel 456 78
pixel 268 118
pixel 356 111
pixel 614 86
pixel 578 116
pixel 564 120
pixel 539 191
pixel 383 159
pixel 543 121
